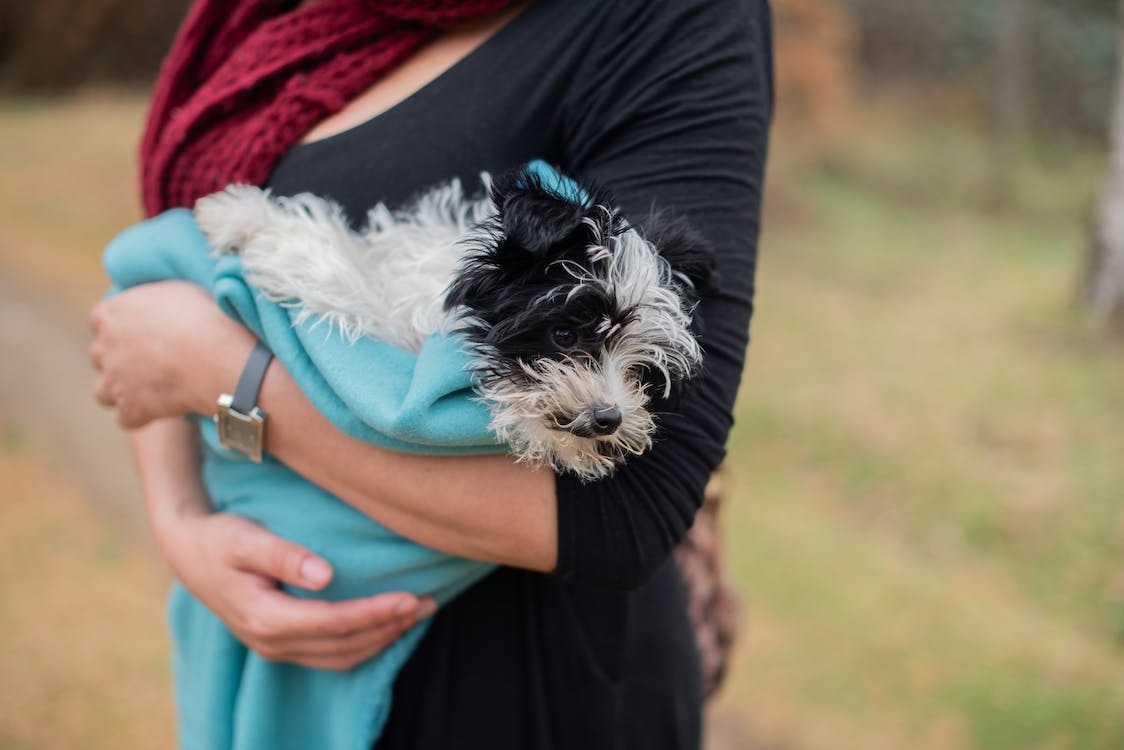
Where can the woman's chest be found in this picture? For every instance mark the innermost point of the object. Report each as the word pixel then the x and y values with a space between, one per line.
pixel 498 107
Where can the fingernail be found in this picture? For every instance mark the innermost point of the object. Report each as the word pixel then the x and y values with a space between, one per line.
pixel 406 607
pixel 426 608
pixel 315 571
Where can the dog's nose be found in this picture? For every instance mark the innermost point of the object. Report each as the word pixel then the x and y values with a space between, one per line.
pixel 606 420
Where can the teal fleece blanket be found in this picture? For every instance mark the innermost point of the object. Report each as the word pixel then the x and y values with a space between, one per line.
pixel 228 698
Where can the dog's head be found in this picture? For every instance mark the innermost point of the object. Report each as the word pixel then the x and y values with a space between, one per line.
pixel 577 322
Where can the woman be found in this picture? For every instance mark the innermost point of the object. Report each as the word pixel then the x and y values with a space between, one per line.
pixel 581 638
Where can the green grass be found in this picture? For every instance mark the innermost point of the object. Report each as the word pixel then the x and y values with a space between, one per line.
pixel 930 460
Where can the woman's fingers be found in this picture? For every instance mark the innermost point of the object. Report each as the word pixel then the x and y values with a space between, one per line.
pixel 103 392
pixel 97 356
pixel 359 643
pixel 97 314
pixel 332 635
pixel 345 653
pixel 96 353
pixel 289 618
pixel 234 568
pixel 255 550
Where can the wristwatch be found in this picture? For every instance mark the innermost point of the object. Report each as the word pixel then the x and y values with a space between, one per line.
pixel 240 421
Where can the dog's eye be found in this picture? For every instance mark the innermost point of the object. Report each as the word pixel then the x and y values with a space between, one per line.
pixel 563 338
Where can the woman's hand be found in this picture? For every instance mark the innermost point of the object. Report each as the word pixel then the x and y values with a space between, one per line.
pixel 234 567
pixel 161 349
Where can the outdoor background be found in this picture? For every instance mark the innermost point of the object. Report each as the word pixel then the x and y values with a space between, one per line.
pixel 927 471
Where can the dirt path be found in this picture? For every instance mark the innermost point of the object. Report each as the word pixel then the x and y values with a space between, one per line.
pixel 45 389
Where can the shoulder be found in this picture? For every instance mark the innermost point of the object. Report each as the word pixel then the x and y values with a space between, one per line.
pixel 642 21
pixel 637 10
pixel 636 42
pixel 599 28
pixel 658 70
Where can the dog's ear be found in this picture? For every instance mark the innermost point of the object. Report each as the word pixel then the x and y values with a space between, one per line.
pixel 690 255
pixel 534 217
pixel 475 286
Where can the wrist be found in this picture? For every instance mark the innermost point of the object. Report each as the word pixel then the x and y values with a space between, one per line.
pixel 240 421
pixel 171 517
pixel 220 367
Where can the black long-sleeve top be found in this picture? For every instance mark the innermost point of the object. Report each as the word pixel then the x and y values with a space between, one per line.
pixel 667 104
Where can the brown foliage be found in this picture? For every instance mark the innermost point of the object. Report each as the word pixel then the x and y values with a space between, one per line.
pixel 815 62
pixel 54 45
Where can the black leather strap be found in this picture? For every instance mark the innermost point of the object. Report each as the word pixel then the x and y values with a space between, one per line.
pixel 249 383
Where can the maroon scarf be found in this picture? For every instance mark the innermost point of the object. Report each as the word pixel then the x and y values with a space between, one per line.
pixel 245 80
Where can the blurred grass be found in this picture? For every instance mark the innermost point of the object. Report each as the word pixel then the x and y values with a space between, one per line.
pixel 67 185
pixel 84 662
pixel 926 526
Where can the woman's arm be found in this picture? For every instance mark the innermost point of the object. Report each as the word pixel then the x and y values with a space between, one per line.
pixel 674 118
pixel 234 567
pixel 486 508
pixel 166 349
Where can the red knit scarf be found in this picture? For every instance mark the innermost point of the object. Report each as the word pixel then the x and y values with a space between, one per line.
pixel 245 80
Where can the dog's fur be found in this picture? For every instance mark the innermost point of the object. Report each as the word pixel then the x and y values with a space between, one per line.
pixel 574 320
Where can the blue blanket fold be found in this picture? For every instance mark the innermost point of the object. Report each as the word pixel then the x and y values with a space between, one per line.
pixel 228 697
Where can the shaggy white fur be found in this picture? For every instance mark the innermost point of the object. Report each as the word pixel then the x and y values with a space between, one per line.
pixel 388 281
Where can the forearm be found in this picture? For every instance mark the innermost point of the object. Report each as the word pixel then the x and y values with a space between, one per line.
pixel 481 507
pixel 167 460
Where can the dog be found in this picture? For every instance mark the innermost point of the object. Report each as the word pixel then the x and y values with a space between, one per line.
pixel 578 325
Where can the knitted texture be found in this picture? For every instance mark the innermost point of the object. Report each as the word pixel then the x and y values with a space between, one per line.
pixel 246 79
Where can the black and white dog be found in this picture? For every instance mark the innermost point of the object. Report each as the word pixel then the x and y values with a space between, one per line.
pixel 575 321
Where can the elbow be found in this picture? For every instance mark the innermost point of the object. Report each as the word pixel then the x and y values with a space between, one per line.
pixel 627 541
pixel 628 567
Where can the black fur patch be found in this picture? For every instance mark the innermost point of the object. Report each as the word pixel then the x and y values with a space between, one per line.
pixel 516 286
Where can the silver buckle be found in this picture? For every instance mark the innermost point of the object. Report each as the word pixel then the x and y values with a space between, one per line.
pixel 238 431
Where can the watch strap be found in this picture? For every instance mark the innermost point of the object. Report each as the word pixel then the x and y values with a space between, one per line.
pixel 249 382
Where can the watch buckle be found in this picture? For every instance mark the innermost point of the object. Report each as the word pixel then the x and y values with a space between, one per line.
pixel 240 431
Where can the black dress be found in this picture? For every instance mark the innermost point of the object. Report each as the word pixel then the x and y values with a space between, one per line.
pixel 667 104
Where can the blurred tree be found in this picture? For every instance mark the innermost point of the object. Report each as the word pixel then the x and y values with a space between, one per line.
pixel 1104 286
pixel 814 62
pixel 945 49
pixel 1011 96
pixel 54 45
